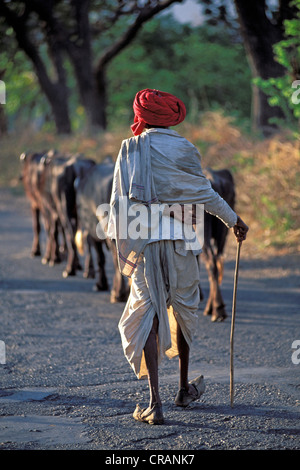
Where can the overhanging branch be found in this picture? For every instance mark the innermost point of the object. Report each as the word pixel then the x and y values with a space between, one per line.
pixel 145 13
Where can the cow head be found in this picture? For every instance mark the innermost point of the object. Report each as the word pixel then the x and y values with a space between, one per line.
pixel 48 157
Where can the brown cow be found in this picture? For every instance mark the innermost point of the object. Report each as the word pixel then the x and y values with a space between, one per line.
pixel 33 180
pixel 60 174
pixel 215 233
pixel 48 179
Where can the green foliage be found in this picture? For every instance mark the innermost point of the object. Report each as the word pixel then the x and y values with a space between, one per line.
pixel 204 66
pixel 201 65
pixel 24 100
pixel 282 91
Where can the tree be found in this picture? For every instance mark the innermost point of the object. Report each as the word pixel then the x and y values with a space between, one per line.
pixel 260 33
pixel 67 28
pixel 261 23
pixel 284 91
pixel 205 66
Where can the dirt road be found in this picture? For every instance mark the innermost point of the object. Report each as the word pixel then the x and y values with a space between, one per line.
pixel 65 383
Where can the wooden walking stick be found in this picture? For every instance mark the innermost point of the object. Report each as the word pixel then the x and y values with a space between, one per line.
pixel 238 251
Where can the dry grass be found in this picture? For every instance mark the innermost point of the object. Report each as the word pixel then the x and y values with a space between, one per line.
pixel 267 177
pixel 266 172
pixel 11 147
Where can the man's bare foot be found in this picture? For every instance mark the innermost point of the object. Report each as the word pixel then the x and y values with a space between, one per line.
pixel 195 389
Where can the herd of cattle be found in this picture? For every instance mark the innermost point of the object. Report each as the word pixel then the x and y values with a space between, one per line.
pixel 64 192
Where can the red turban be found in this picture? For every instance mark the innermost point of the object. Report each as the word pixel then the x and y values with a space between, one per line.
pixel 156 108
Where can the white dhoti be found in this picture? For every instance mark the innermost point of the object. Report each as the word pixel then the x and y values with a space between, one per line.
pixel 164 283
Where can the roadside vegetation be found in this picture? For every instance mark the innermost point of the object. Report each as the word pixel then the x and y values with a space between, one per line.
pixel 266 171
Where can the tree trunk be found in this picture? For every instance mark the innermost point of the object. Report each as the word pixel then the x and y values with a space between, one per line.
pixel 101 90
pixel 80 54
pixel 56 92
pixel 95 106
pixel 91 94
pixel 3 122
pixel 88 91
pixel 57 95
pixel 59 106
pixel 259 36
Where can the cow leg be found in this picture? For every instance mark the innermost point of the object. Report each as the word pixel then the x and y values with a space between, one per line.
pixel 220 236
pixel 74 226
pixel 215 305
pixel 220 268
pixel 36 249
pixel 89 270
pixel 200 289
pixel 77 263
pixel 73 263
pixel 102 283
pixel 55 253
pixel 72 259
pixel 63 250
pixel 120 290
pixel 47 254
pixel 70 269
pixel 66 215
pixel 209 268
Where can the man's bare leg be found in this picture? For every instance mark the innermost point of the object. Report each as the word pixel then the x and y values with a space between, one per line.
pixel 184 357
pixel 151 358
pixel 153 414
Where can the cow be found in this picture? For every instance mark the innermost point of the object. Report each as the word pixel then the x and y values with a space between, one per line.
pixel 60 174
pixel 48 179
pixel 215 233
pixel 91 191
pixel 33 178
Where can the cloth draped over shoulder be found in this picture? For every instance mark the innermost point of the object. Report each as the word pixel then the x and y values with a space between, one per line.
pixel 132 185
pixel 158 167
